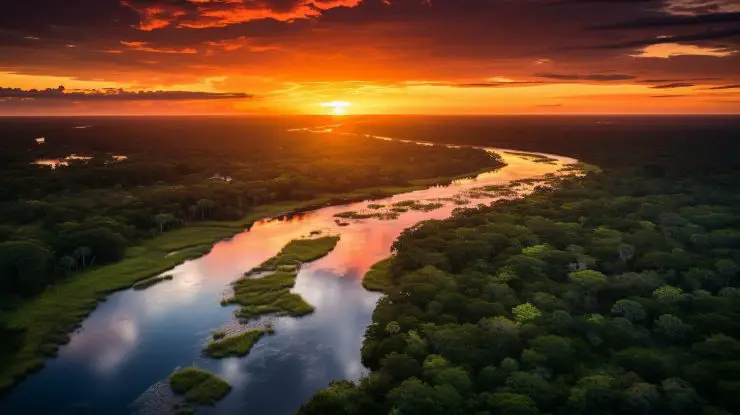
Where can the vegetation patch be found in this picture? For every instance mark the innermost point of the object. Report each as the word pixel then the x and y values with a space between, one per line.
pixel 238 345
pixel 378 278
pixel 389 215
pixel 418 206
pixel 199 386
pixel 144 284
pixel 269 293
pixel 537 158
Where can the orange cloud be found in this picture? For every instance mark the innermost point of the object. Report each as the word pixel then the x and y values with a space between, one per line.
pixel 144 47
pixel 220 13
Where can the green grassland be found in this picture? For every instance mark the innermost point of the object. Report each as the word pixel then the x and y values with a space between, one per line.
pixel 238 345
pixel 378 278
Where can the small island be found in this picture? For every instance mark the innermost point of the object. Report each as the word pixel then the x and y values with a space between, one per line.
pixel 199 386
pixel 238 345
pixel 270 292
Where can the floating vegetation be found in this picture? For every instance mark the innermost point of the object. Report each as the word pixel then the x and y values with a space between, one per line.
pixel 537 158
pixel 389 215
pixel 375 206
pixel 418 206
pixel 143 285
pixel 199 386
pixel 238 345
pixel 270 293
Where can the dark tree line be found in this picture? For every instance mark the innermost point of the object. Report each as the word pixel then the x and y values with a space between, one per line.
pixel 617 293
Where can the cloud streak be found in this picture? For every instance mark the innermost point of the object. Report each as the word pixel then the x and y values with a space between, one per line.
pixel 116 95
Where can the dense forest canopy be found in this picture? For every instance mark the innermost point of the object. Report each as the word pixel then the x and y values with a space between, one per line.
pixel 55 222
pixel 615 293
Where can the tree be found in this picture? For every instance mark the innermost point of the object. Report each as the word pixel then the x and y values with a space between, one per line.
pixel 727 268
pixel 68 263
pixel 589 279
pixel 671 326
pixel 626 252
pixel 205 207
pixel 414 397
pixel 526 312
pixel 163 219
pixel 24 267
pixel 632 310
pixel 667 293
pixel 392 328
pixel 512 404
pixel 82 253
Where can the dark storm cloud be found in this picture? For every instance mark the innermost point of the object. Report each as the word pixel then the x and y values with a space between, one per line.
pixel 667 21
pixel 674 85
pixel 691 37
pixel 115 95
pixel 737 86
pixel 586 77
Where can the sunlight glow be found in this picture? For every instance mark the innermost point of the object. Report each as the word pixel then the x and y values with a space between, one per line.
pixel 338 107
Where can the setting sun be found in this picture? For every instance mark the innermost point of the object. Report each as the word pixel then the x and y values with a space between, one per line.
pixel 338 107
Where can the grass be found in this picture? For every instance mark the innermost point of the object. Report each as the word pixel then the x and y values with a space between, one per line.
pixel 199 386
pixel 219 334
pixel 238 345
pixel 49 318
pixel 378 278
pixel 418 206
pixel 144 284
pixel 270 294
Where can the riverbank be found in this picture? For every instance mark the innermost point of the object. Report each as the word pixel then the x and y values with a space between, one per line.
pixel 49 318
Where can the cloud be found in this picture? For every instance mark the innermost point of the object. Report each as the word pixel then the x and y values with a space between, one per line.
pixel 158 14
pixel 115 95
pixel 669 96
pixel 586 77
pixel 669 50
pixel 734 86
pixel 144 47
pixel 673 20
pixel 700 7
pixel 673 85
pixel 691 37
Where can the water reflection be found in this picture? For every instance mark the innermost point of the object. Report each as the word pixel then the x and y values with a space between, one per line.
pixel 136 338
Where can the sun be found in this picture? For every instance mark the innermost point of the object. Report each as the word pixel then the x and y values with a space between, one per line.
pixel 338 107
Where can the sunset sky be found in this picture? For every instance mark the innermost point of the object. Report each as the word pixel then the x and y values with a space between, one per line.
pixel 369 56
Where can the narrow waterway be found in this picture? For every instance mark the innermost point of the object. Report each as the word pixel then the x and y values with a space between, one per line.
pixel 117 362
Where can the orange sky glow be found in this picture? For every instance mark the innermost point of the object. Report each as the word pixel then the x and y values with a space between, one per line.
pixel 131 57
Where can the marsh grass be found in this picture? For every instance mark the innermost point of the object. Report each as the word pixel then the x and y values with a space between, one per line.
pixel 270 292
pixel 199 386
pixel 378 278
pixel 144 284
pixel 238 345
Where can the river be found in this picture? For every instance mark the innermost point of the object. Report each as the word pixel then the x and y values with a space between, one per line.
pixel 118 361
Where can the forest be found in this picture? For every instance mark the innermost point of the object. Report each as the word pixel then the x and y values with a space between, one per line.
pixel 56 222
pixel 613 293
pixel 71 235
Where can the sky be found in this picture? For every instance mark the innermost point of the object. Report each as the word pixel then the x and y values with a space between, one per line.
pixel 127 57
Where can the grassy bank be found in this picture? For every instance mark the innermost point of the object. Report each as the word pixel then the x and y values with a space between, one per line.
pixel 199 386
pixel 150 282
pixel 48 319
pixel 238 345
pixel 270 294
pixel 378 278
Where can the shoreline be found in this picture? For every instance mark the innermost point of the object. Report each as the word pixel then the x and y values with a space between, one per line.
pixel 50 318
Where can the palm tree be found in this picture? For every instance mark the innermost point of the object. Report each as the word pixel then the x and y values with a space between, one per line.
pixel 163 219
pixel 83 252
pixel 205 205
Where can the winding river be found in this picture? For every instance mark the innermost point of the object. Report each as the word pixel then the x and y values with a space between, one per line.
pixel 118 361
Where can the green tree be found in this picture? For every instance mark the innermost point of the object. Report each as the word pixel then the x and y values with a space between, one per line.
pixel 632 310
pixel 526 312
pixel 589 279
